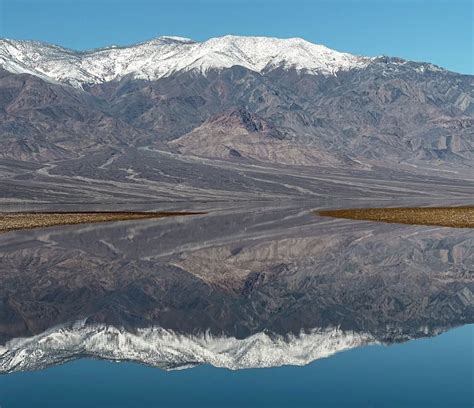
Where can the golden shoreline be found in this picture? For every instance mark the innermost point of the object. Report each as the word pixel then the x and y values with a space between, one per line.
pixel 29 220
pixel 456 217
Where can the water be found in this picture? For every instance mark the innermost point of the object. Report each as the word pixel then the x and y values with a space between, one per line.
pixel 308 311
pixel 434 372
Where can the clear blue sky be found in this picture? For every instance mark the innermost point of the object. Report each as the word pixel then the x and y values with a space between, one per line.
pixel 439 31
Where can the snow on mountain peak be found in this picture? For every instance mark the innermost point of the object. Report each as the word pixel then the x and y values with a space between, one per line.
pixel 166 55
pixel 177 39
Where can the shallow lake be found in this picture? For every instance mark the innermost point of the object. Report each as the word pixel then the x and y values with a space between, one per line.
pixel 263 305
pixel 435 372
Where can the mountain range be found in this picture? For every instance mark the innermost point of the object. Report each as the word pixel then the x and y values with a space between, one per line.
pixel 166 56
pixel 281 105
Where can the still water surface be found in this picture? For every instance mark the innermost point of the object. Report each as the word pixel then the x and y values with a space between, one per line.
pixel 307 311
pixel 433 372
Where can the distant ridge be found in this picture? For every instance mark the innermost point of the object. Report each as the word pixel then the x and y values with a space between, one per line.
pixel 166 55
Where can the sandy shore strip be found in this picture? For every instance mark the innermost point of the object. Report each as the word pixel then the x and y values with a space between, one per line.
pixel 29 220
pixel 457 217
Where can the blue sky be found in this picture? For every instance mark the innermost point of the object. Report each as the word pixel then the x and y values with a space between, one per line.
pixel 439 31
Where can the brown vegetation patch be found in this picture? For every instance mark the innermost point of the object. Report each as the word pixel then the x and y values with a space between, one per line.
pixel 18 221
pixel 458 217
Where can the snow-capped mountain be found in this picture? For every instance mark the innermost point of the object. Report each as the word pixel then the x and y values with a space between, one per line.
pixel 244 99
pixel 169 350
pixel 164 56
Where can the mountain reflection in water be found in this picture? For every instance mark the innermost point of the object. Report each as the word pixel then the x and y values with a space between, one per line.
pixel 245 287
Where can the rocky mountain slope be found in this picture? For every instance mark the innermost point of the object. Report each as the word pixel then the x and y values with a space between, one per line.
pixel 241 100
pixel 237 133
